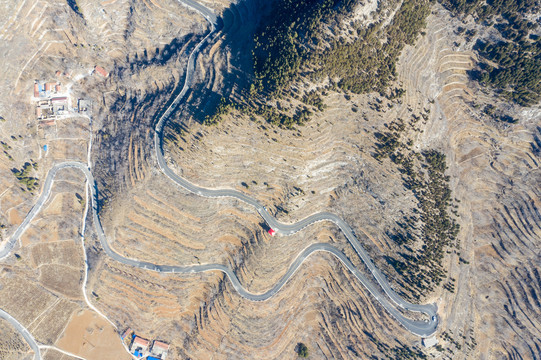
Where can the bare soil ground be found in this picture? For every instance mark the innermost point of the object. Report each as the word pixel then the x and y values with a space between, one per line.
pixel 40 38
pixel 328 164
pixel 91 337
pixel 42 287
pixel 51 354
pixel 62 279
pixel 325 165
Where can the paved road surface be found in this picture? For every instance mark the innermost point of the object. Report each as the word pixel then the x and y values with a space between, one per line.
pixel 421 328
pixel 417 327
pixel 21 329
pixel 289 229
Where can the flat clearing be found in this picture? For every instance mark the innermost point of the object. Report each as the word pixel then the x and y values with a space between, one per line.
pixel 23 299
pixel 48 327
pixel 92 337
pixel 65 280
pixel 62 252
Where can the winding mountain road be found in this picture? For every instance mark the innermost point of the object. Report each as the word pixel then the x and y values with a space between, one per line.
pixel 388 299
pixel 22 330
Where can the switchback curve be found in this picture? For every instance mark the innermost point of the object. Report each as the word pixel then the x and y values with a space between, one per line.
pixel 421 328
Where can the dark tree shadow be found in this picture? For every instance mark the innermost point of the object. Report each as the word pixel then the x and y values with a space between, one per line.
pixel 227 61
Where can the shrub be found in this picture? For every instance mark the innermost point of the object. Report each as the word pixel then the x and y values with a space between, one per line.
pixel 302 350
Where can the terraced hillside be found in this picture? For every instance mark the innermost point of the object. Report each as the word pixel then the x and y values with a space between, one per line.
pixel 42 282
pixel 488 301
pixel 141 46
pixel 328 164
pixel 494 167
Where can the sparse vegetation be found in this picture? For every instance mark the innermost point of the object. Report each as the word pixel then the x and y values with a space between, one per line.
pixel 517 76
pixel 425 237
pixel 368 63
pixel 512 66
pixel 31 183
pixel 302 350
pixel 437 230
pixel 75 7
pixel 80 199
pixel 6 148
pixel 223 109
pixel 291 31
pixel 389 142
pixel 401 352
pixel 292 45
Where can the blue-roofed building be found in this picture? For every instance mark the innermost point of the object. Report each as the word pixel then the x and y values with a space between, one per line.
pixel 139 346
pixel 153 358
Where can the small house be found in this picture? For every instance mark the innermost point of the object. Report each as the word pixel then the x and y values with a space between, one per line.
pixel 139 346
pixel 429 342
pixel 101 71
pixel 126 333
pixel 160 349
pixel 49 86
